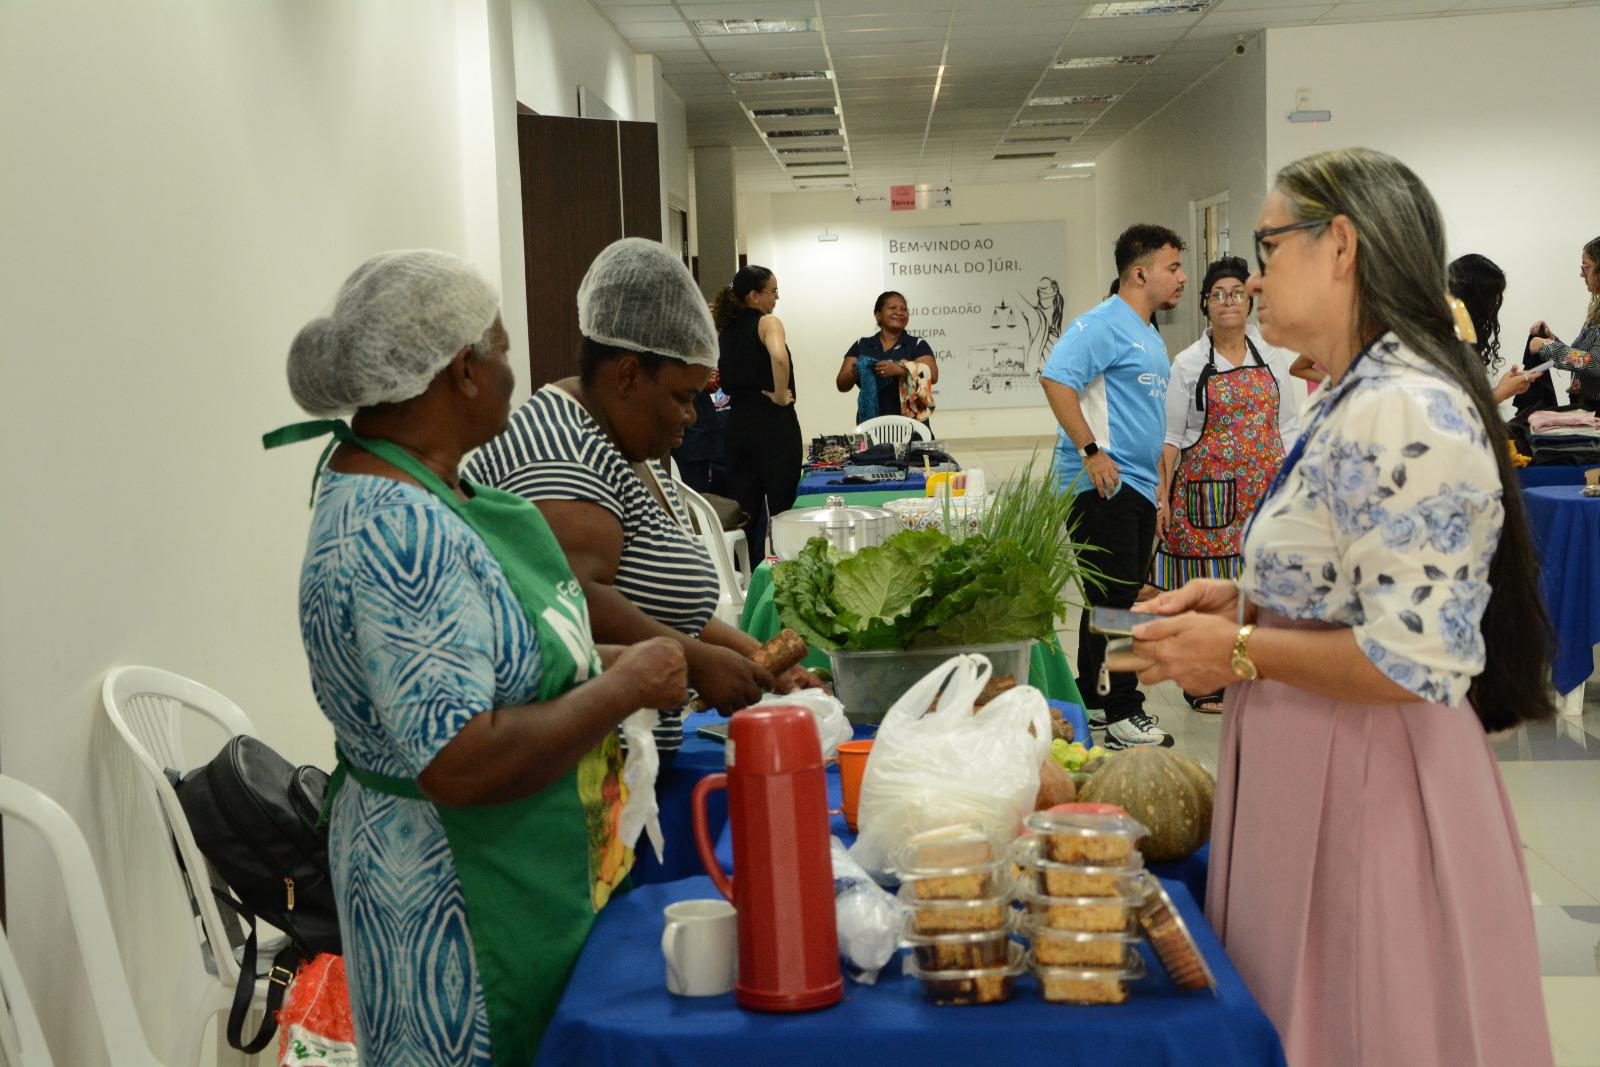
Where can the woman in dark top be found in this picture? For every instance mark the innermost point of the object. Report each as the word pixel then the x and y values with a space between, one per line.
pixel 763 440
pixel 901 365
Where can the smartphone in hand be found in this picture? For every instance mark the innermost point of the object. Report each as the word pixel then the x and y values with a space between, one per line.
pixel 1118 622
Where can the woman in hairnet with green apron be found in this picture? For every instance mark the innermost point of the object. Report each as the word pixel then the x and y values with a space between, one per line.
pixel 474 830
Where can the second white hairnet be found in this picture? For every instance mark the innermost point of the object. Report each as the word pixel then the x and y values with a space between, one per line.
pixel 639 296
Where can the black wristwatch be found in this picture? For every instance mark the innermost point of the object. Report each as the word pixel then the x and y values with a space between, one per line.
pixel 1089 450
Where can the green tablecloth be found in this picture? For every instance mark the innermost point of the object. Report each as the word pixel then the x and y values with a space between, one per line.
pixel 854 500
pixel 1048 669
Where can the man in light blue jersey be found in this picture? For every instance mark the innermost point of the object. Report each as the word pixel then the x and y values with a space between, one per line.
pixel 1106 380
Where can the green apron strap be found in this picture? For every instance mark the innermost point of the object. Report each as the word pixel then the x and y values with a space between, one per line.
pixel 296 432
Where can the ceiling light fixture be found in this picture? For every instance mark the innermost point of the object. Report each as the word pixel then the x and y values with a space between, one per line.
pixel 1056 138
pixel 1026 123
pixel 792 112
pixel 1092 62
pixel 1071 166
pixel 1062 177
pixel 747 77
pixel 1092 100
pixel 833 132
pixel 828 185
pixel 808 151
pixel 816 163
pixel 1124 8
pixel 728 27
pixel 1027 155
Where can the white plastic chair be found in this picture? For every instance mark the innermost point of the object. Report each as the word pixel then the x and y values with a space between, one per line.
pixel 738 544
pixel 145 706
pixel 97 943
pixel 895 429
pixel 730 602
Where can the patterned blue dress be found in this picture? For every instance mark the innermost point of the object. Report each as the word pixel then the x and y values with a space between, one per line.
pixel 411 629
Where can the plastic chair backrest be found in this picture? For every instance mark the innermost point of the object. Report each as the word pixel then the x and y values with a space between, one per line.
pixel 895 429
pixel 21 1037
pixel 144 705
pixel 710 527
pixel 97 943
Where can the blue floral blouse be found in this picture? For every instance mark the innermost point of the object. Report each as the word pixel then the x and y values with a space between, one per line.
pixel 1388 523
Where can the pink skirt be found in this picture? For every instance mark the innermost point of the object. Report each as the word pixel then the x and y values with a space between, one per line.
pixel 1367 880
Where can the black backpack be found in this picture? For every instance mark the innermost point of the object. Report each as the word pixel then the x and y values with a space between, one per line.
pixel 256 818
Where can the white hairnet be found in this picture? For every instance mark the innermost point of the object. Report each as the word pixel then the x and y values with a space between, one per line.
pixel 639 296
pixel 398 320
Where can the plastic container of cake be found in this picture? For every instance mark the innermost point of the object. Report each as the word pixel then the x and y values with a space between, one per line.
pixel 1056 879
pixel 953 863
pixel 959 951
pixel 1100 914
pixel 1088 985
pixel 1174 945
pixel 1080 948
pixel 1101 834
pixel 971 985
pixel 936 916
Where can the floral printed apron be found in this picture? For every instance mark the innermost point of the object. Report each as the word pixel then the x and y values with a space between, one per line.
pixel 1222 476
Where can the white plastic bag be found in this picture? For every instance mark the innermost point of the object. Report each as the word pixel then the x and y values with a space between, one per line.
pixel 640 812
pixel 833 729
pixel 951 765
pixel 869 919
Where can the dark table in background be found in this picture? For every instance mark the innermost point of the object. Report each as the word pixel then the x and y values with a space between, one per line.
pixel 1566 529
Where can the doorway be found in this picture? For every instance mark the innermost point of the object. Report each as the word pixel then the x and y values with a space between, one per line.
pixel 1210 244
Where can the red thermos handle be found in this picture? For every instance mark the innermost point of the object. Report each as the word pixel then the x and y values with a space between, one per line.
pixel 702 836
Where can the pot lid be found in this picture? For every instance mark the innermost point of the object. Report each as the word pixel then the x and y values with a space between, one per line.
pixel 835 514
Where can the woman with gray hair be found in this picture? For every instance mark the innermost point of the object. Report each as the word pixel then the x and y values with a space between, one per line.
pixel 473 818
pixel 1366 875
pixel 587 451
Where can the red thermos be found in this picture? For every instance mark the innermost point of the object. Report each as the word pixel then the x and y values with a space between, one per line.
pixel 782 886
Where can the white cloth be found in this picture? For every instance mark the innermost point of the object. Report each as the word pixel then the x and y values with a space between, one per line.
pixel 1388 523
pixel 1184 422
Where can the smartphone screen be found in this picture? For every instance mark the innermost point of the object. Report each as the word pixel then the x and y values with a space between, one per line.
pixel 1117 622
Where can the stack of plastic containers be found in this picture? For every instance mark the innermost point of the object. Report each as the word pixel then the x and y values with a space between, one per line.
pixel 957 883
pixel 1082 885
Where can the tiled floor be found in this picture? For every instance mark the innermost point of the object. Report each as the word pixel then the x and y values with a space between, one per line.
pixel 1552 774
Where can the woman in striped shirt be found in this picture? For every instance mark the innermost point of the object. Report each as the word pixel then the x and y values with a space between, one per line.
pixel 586 451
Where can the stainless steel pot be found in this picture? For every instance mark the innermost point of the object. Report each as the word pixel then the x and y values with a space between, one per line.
pixel 849 529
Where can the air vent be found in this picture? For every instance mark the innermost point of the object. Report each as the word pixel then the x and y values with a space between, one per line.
pixel 791 164
pixel 780 76
pixel 728 27
pixel 1126 8
pixel 1059 138
pixel 1020 123
pixel 809 151
pixel 834 132
pixel 1095 100
pixel 1095 62
pixel 792 112
pixel 1027 155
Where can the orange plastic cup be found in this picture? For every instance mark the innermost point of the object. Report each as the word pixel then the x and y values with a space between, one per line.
pixel 852 765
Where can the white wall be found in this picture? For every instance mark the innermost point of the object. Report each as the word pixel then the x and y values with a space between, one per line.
pixel 1498 120
pixel 185 184
pixel 1211 140
pixel 827 288
pixel 561 44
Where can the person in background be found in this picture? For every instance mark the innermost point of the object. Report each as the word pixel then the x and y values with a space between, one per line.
pixel 1232 413
pixel 1582 357
pixel 1366 875
pixel 1106 382
pixel 472 827
pixel 900 367
pixel 1480 284
pixel 587 450
pixel 765 451
pixel 702 458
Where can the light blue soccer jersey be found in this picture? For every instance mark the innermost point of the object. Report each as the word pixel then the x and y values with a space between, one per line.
pixel 1118 365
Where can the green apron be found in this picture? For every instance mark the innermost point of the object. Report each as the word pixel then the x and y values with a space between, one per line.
pixel 533 871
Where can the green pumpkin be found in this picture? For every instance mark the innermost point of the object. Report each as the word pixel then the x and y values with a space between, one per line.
pixel 1167 791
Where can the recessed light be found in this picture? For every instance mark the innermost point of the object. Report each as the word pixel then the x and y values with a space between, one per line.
pixel 834 132
pixel 1050 122
pixel 1086 101
pixel 1124 8
pixel 781 76
pixel 792 112
pixel 809 151
pixel 1060 177
pixel 1071 166
pixel 1091 62
pixel 827 185
pixel 725 27
pixel 816 163
pixel 1054 138
pixel 1027 155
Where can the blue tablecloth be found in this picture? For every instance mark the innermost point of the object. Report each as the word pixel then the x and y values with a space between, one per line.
pixel 1534 477
pixel 1566 529
pixel 616 1010
pixel 833 482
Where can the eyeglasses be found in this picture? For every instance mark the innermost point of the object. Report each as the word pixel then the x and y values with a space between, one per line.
pixel 1226 296
pixel 1263 253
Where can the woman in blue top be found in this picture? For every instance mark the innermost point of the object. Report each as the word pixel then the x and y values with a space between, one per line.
pixel 901 365
pixel 474 830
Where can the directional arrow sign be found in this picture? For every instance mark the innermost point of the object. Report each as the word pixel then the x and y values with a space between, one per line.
pixel 870 202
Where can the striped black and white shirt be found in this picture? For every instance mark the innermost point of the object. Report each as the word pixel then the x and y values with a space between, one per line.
pixel 552 449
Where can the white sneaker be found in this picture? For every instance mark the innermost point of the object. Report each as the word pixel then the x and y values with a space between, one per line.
pixel 1096 718
pixel 1136 729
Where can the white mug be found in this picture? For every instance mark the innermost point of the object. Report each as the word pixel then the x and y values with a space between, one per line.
pixel 700 944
